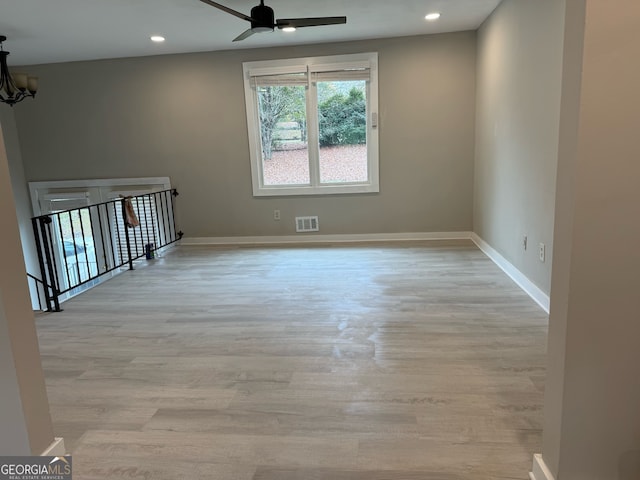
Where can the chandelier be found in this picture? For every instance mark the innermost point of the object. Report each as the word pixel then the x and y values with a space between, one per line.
pixel 17 86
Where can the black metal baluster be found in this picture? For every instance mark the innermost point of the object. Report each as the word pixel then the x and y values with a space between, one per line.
pixel 113 250
pixel 155 202
pixel 102 242
pixel 165 215
pixel 118 242
pixel 138 230
pixel 75 249
pixel 43 271
pixel 64 253
pixel 84 240
pixel 146 222
pixel 52 269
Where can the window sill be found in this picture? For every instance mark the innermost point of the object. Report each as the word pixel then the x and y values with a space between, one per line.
pixel 281 191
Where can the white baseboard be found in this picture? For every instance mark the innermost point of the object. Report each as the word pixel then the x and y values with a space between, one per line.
pixel 339 238
pixel 540 471
pixel 56 449
pixel 516 275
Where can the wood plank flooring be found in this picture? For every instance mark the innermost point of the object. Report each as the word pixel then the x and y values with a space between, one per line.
pixel 378 362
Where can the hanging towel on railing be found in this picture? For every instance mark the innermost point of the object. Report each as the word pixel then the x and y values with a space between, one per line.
pixel 129 214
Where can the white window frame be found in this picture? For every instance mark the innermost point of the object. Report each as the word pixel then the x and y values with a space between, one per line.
pixel 99 189
pixel 312 64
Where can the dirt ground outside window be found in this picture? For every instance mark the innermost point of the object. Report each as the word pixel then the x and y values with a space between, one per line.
pixel 338 164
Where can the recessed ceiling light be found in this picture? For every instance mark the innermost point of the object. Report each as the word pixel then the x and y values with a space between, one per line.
pixel 157 38
pixel 289 29
pixel 432 16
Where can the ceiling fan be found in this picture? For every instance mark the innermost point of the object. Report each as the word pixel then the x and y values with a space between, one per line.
pixel 262 19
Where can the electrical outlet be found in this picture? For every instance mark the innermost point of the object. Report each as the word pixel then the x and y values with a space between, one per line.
pixel 541 252
pixel 524 242
pixel 276 214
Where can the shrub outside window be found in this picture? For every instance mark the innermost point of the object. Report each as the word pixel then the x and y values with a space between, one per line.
pixel 312 125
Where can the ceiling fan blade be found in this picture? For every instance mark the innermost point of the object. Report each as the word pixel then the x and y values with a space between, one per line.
pixel 309 22
pixel 246 34
pixel 228 10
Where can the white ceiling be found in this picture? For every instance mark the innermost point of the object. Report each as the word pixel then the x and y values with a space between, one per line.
pixel 49 31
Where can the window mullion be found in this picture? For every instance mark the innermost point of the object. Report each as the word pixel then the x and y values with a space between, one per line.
pixel 313 133
pixel 371 169
pixel 373 129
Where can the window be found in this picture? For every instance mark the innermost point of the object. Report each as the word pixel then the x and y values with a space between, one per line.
pixel 312 125
pixel 72 238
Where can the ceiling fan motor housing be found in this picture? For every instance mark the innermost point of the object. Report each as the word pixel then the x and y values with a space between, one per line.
pixel 263 18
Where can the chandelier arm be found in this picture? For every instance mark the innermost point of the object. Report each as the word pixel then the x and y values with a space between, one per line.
pixel 6 81
pixel 19 98
pixel 12 94
pixel 16 98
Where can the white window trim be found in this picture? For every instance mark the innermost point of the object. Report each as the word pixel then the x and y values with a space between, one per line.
pixel 40 189
pixel 313 64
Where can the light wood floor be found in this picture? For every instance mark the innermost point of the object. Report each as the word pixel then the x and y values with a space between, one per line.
pixel 383 362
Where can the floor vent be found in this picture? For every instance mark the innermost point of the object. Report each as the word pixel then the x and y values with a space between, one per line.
pixel 307 224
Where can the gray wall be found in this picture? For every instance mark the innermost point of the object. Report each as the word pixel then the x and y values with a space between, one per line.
pixel 14 439
pixel 183 116
pixel 518 98
pixel 20 196
pixel 592 397
pixel 21 375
